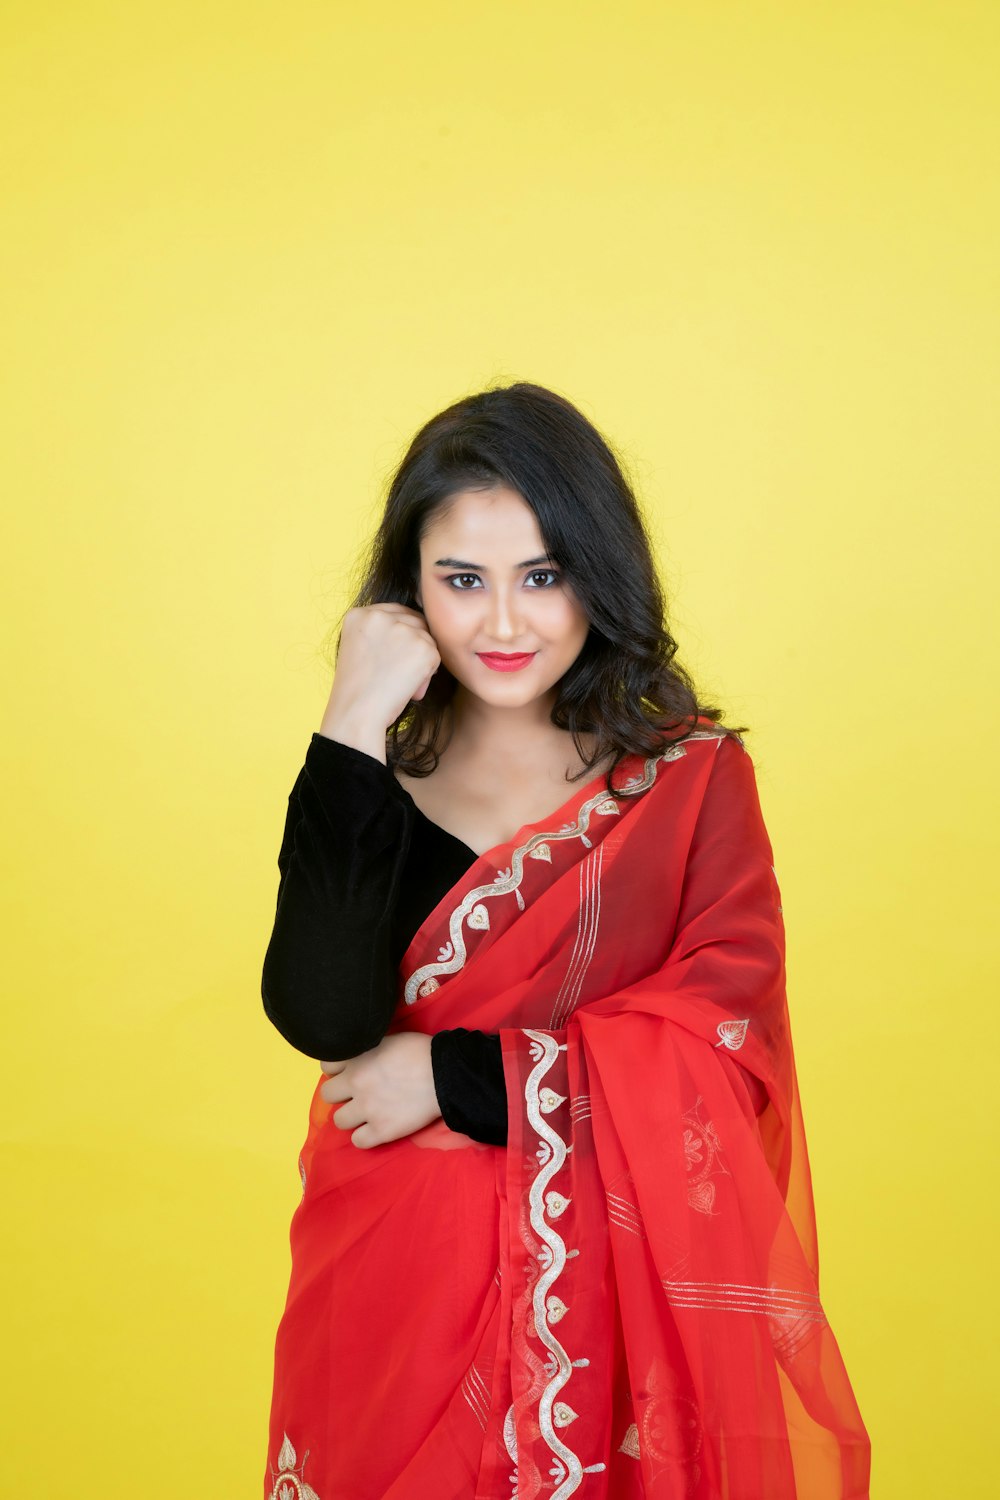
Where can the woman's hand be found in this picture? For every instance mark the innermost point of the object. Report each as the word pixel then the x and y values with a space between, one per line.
pixel 385 659
pixel 384 1093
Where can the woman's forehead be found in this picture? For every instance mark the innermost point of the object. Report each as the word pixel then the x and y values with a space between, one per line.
pixel 484 528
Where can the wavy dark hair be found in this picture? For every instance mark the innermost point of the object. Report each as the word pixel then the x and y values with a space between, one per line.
pixel 625 687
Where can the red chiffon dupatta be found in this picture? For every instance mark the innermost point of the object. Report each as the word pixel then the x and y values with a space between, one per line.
pixel 624 1301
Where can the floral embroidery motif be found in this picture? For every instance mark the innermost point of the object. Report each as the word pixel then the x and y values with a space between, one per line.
pixel 630 1442
pixel 505 875
pixel 556 1308
pixel 701 1159
pixel 671 1428
pixel 691 1150
pixel 288 1482
pixel 702 1197
pixel 733 1033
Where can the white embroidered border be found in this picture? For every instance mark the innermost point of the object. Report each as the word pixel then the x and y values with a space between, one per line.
pixel 452 955
pixel 552 1257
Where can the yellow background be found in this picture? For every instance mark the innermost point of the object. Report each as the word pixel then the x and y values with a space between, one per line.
pixel 248 249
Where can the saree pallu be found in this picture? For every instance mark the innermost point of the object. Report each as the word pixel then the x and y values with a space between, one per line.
pixel 624 1300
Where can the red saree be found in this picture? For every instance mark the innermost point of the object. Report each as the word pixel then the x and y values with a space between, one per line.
pixel 623 1302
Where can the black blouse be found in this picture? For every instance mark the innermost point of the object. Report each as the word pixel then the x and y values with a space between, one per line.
pixel 360 868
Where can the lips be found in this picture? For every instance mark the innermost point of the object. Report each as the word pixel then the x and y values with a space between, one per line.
pixel 506 661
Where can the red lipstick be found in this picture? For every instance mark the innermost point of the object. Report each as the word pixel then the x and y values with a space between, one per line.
pixel 506 661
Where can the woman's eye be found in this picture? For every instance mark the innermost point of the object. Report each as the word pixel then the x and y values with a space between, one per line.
pixel 455 580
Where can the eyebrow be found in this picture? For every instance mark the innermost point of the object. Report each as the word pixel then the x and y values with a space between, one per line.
pixel 456 562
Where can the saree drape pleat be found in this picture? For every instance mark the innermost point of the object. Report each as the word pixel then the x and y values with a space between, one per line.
pixel 624 1300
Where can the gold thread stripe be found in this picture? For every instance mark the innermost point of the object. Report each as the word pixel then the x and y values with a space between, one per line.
pixel 753 1307
pixel 731 1288
pixel 626 1224
pixel 772 1310
pixel 588 919
pixel 582 914
pixel 473 1397
pixel 787 1303
pixel 791 1340
pixel 480 1418
pixel 622 1206
pixel 591 877
pixel 484 1392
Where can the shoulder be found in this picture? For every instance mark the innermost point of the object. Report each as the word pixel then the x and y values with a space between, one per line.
pixel 706 733
pixel 717 763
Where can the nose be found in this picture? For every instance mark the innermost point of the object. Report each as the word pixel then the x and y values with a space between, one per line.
pixel 503 615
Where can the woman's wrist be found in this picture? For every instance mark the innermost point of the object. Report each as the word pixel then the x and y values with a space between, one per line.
pixel 355 731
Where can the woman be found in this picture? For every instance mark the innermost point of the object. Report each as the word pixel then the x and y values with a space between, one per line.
pixel 621 1299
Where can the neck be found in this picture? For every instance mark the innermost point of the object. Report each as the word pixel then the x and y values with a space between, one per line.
pixel 513 732
pixel 510 738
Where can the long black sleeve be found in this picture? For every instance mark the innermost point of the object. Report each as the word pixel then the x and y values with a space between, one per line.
pixel 360 867
pixel 328 982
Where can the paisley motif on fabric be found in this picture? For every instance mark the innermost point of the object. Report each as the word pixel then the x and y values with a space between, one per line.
pixel 630 1442
pixel 289 1483
pixel 702 1151
pixel 733 1033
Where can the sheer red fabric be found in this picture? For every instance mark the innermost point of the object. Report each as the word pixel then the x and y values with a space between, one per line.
pixel 624 1301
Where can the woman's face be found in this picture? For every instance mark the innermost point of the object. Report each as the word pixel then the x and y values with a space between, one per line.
pixel 486 586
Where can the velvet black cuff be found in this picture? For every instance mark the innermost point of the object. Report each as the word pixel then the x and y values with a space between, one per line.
pixel 469 1083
